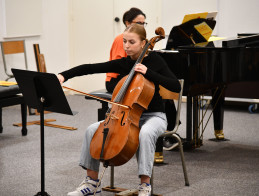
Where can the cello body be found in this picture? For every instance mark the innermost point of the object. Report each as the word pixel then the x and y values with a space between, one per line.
pixel 122 124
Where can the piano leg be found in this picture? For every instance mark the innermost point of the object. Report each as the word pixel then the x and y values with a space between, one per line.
pixel 192 132
pixel 159 158
pixel 218 114
pixel 196 127
pixel 188 142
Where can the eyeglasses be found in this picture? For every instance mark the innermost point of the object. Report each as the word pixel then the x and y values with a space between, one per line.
pixel 141 23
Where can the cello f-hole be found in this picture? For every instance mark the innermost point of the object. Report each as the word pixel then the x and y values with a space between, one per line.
pixel 122 123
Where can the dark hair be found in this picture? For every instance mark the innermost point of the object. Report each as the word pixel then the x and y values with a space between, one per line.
pixel 131 14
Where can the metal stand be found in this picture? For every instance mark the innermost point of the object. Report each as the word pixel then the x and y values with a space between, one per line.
pixel 42 147
pixel 42 91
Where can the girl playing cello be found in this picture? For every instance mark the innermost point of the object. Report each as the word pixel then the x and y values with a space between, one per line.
pixel 153 121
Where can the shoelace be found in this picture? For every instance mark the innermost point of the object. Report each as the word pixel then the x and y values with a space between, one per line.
pixel 85 182
pixel 143 189
pixel 81 184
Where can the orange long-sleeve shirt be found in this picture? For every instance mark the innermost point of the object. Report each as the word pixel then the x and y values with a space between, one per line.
pixel 116 52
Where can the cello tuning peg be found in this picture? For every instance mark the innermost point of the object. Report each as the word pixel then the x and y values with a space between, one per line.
pixel 160 31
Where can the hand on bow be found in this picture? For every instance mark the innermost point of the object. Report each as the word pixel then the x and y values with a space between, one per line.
pixel 61 78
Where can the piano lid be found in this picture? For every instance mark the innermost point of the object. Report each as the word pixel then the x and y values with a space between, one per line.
pixel 234 42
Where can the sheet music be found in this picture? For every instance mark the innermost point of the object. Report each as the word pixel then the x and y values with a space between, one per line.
pixel 212 15
pixel 207 15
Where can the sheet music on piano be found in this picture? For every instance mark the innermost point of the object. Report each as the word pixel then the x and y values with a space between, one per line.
pixel 205 15
pixel 212 15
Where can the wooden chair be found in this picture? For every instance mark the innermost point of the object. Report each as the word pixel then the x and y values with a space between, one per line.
pixel 9 93
pixel 40 61
pixel 41 67
pixel 166 95
pixel 12 48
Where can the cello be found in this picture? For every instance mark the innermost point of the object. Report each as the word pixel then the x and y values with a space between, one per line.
pixel 117 138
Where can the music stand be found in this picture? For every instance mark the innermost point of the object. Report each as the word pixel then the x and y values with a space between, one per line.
pixel 186 34
pixel 42 91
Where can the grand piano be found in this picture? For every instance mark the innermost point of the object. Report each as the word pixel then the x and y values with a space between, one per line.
pixel 210 68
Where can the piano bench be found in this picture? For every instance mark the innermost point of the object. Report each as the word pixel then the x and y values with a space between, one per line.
pixel 9 95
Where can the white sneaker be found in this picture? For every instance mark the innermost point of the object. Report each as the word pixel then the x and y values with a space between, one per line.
pixel 144 189
pixel 87 187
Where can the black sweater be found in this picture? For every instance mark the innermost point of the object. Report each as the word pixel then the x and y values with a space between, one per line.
pixel 157 72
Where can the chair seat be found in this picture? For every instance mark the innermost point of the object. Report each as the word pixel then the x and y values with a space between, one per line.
pixel 100 93
pixel 8 97
pixel 7 91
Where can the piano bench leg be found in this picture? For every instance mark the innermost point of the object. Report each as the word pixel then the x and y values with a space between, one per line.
pixel 1 126
pixel 219 134
pixel 24 119
pixel 102 111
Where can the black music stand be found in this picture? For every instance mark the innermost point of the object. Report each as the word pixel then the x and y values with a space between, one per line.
pixel 42 91
pixel 186 34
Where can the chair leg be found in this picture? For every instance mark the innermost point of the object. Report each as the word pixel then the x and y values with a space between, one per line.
pixel 31 111
pixel 152 181
pixel 183 165
pixel 24 119
pixel 112 177
pixel 1 125
pixel 182 158
pixel 111 188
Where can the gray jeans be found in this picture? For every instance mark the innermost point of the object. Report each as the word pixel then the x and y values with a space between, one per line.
pixel 152 125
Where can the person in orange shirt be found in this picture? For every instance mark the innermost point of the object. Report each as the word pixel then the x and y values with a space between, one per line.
pixel 134 15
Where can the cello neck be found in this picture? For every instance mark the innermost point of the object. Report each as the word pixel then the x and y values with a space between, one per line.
pixel 125 85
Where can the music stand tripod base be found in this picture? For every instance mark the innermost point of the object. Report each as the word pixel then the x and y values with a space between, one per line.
pixel 42 194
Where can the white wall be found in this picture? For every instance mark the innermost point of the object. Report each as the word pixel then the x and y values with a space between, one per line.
pixel 93 29
pixel 234 16
pixel 173 12
pixel 238 16
pixel 54 41
pixel 91 36
pixel 23 18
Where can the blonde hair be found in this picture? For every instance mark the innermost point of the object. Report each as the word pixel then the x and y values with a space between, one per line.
pixel 138 29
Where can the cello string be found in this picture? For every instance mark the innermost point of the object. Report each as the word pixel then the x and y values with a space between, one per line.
pixel 126 83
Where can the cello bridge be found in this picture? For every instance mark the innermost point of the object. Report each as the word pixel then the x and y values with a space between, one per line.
pixel 112 116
